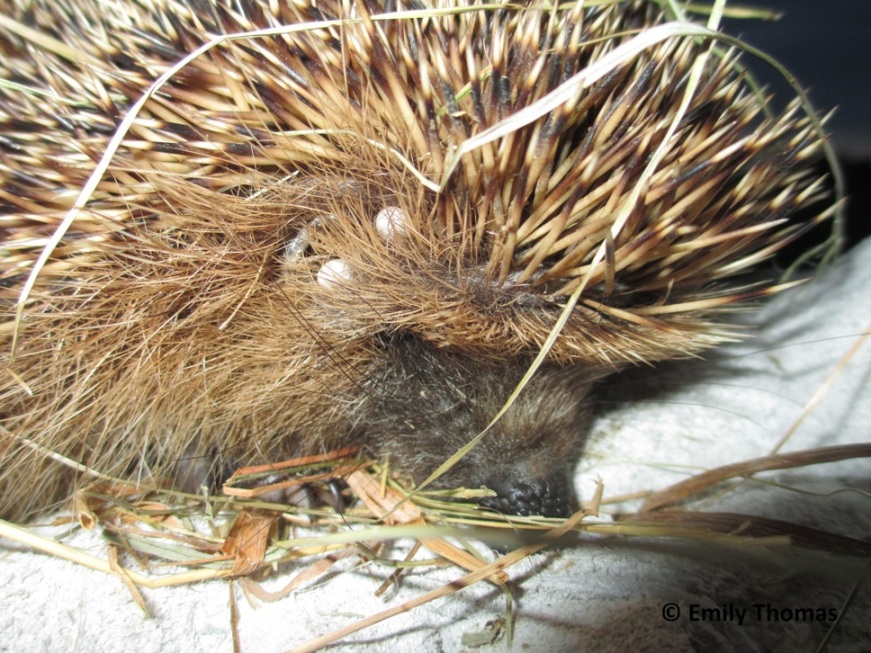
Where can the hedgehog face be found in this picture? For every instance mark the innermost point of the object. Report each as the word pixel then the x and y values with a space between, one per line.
pixel 428 403
pixel 417 403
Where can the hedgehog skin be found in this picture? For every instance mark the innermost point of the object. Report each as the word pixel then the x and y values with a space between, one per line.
pixel 189 312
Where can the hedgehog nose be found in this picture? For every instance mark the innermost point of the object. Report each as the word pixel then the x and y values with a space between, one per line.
pixel 549 497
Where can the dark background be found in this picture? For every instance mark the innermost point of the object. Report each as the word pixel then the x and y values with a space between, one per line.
pixel 826 44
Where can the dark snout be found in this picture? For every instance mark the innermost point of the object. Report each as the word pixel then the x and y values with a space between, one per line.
pixel 553 496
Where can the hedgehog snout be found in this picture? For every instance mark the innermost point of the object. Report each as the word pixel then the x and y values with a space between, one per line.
pixel 552 496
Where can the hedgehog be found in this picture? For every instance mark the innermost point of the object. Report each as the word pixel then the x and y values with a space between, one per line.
pixel 235 231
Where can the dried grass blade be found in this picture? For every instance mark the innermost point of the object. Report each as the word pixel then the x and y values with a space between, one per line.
pixel 247 540
pixel 751 527
pixel 746 468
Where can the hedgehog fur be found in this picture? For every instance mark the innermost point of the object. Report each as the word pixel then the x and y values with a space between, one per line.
pixel 298 245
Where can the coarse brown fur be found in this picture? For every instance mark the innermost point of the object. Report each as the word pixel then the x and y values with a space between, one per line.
pixel 185 312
